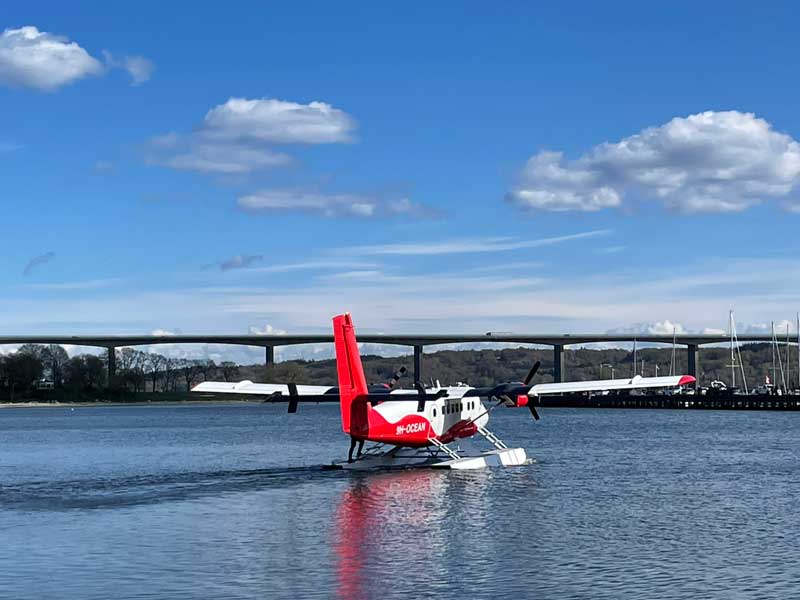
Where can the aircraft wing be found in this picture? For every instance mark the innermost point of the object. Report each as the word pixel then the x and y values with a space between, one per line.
pixel 635 383
pixel 265 389
pixel 283 392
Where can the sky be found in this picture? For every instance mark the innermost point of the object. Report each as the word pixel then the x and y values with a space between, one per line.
pixel 430 167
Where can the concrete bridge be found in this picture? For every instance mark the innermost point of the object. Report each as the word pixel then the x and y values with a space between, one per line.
pixel 418 342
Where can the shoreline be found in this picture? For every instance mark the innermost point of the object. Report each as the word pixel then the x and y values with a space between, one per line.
pixel 37 404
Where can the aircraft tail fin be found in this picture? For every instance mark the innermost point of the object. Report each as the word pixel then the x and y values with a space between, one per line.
pixel 352 382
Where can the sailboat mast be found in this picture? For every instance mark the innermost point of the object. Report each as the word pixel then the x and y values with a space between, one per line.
pixel 733 354
pixel 788 378
pixel 774 370
pixel 674 341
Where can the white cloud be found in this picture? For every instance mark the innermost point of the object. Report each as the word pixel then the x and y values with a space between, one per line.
pixel 707 162
pixel 138 67
pixel 162 333
pixel 278 122
pixel 35 59
pixel 217 158
pixel 665 327
pixel 267 329
pixel 470 245
pixel 327 205
pixel 238 137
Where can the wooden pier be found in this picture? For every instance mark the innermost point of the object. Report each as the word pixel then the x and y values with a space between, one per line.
pixel 677 402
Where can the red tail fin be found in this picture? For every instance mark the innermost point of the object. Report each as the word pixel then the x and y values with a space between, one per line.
pixel 352 382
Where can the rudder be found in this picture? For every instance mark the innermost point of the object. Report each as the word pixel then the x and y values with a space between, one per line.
pixel 352 382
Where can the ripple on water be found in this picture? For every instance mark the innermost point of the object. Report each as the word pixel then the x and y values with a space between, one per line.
pixel 231 502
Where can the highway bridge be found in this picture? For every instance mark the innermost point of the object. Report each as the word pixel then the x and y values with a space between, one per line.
pixel 416 341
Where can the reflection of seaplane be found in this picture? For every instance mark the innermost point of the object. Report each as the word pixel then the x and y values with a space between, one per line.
pixel 412 428
pixel 406 511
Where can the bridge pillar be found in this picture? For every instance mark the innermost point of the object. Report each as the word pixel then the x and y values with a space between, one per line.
pixel 417 364
pixel 693 362
pixel 111 365
pixel 559 371
pixel 269 355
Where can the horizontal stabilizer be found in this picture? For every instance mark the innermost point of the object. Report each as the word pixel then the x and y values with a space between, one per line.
pixel 635 383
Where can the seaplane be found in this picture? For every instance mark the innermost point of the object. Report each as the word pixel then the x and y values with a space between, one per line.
pixel 421 427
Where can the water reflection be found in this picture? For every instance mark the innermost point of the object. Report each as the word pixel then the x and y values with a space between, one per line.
pixel 402 517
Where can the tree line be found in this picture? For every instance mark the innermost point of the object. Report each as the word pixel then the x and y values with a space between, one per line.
pixel 485 367
pixel 39 368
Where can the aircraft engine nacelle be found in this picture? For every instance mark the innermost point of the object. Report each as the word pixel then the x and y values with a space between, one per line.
pixel 466 430
pixel 518 401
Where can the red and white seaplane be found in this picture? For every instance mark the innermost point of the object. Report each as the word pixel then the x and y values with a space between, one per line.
pixel 416 428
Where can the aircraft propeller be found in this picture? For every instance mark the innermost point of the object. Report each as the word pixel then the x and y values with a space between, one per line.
pixel 508 393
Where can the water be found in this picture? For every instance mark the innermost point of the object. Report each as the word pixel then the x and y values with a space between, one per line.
pixel 231 502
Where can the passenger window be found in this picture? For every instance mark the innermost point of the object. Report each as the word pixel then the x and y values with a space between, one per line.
pixel 434 412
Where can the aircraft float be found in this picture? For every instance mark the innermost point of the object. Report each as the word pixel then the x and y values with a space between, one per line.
pixel 417 428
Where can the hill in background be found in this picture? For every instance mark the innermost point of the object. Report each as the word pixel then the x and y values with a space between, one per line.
pixel 483 367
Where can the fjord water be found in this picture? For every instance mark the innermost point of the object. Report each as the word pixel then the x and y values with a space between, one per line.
pixel 229 501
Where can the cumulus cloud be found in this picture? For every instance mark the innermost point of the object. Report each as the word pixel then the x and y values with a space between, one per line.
pixel 38 261
pixel 267 329
pixel 35 59
pixel 279 122
pixel 240 136
pixel 707 162
pixel 328 205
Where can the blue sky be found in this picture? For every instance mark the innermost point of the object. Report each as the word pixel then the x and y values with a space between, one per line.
pixel 447 167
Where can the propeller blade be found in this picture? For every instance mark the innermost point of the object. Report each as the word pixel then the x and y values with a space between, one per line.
pixel 532 372
pixel 293 397
pixel 396 377
pixel 533 411
pixel 421 392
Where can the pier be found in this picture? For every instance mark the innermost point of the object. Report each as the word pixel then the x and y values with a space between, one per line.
pixel 787 402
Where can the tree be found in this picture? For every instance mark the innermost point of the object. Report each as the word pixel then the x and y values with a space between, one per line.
pixel 207 368
pixel 130 367
pixel 153 365
pixel 191 370
pixel 22 370
pixel 230 371
pixel 84 372
pixel 170 364
pixel 55 358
